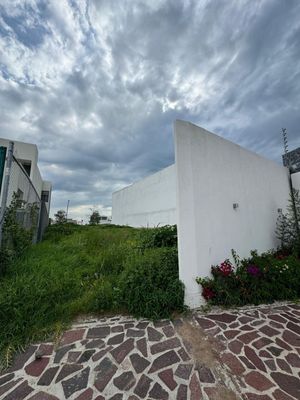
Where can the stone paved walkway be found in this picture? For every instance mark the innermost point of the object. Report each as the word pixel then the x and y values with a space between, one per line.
pixel 251 354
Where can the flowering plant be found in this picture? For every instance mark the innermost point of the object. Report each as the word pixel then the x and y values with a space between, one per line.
pixel 208 293
pixel 253 270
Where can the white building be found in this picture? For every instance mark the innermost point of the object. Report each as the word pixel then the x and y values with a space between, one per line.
pixel 25 178
pixel 220 195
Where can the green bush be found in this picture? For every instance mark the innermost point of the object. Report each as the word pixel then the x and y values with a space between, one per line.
pixel 165 236
pixel 259 279
pixel 150 286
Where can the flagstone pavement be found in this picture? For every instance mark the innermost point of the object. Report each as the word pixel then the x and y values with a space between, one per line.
pixel 251 353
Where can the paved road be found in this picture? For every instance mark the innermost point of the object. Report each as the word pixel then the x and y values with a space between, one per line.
pixel 251 354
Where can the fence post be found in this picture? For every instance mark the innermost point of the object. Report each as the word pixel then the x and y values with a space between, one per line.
pixel 10 154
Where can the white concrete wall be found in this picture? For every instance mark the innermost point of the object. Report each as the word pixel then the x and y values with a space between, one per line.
pixel 296 180
pixel 212 174
pixel 149 202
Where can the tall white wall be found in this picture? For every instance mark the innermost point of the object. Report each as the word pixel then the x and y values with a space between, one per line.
pixel 149 202
pixel 212 174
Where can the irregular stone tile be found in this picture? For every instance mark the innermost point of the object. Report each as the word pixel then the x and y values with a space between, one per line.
pixel 117 396
pixel 293 359
pixel 143 386
pixel 165 345
pixel 247 362
pixel 225 317
pixel 158 393
pixel 99 332
pixel 95 344
pixel 205 323
pixel 287 383
pixel 245 319
pixel 133 398
pixel 271 364
pixel 120 352
pixel 101 353
pixel 99 398
pixel 61 352
pixel 167 377
pixel 125 381
pixel 195 388
pixel 72 336
pixel 6 378
pixel 205 374
pixel 20 392
pixel 67 370
pixel 76 383
pixel 282 344
pixel 105 371
pixel 280 395
pixel 246 328
pixel 292 318
pixel 45 349
pixel 22 358
pixel 261 342
pixel 86 355
pixel 131 332
pixel 128 325
pixel 160 324
pixel 118 328
pixel 291 338
pixel 264 354
pixel 277 318
pixel 142 325
pixel 73 356
pixel 231 333
pixel 284 366
pixel 258 381
pixel 36 367
pixel 168 331
pixel 117 339
pixel 43 396
pixel 86 395
pixel 235 346
pixel 9 385
pixel 254 359
pixel 213 331
pixel 293 327
pixel 182 393
pixel 183 371
pixel 153 334
pixel 183 354
pixel 277 325
pixel 253 396
pixel 268 331
pixel 258 322
pixel 276 351
pixel 233 363
pixel 164 360
pixel 139 363
pixel 47 376
pixel 141 345
pixel 248 337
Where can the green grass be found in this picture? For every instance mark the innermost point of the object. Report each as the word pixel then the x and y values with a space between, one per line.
pixel 80 270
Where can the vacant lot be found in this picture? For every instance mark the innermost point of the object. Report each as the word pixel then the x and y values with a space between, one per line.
pixel 87 269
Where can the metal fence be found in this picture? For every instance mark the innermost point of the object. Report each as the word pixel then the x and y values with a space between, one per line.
pixel 17 186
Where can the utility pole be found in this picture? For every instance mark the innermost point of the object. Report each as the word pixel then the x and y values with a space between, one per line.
pixel 285 144
pixel 9 159
pixel 67 210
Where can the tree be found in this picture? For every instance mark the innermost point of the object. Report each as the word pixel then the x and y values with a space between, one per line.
pixel 95 218
pixel 60 217
pixel 287 226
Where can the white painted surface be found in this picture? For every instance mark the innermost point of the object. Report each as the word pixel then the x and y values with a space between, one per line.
pixel 212 174
pixel 149 202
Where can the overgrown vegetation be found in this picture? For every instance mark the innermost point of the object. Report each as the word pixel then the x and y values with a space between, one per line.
pixel 86 269
pixel 15 238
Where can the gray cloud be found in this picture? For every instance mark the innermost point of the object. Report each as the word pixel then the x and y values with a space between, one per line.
pixel 97 84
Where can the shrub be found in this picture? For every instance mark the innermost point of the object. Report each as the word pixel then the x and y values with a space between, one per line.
pixel 259 279
pixel 149 286
pixel 165 236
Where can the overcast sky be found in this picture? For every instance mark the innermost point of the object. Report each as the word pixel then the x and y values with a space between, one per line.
pixel 97 84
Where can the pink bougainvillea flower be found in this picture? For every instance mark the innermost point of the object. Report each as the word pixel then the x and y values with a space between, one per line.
pixel 253 270
pixel 208 293
pixel 226 268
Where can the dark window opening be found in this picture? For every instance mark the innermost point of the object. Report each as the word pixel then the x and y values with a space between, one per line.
pixel 45 196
